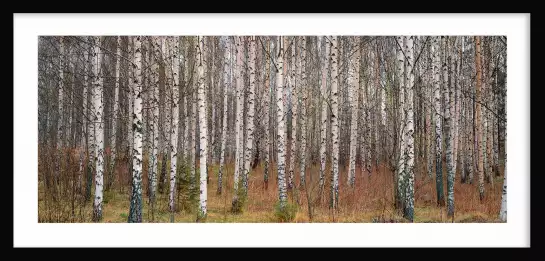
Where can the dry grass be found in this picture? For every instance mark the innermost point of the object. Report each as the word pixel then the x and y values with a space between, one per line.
pixel 371 200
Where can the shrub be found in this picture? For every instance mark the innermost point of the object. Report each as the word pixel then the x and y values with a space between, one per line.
pixel 286 214
pixel 238 203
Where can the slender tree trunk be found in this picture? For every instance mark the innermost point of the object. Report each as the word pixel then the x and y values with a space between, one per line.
pixel 295 103
pixel 193 143
pixel 91 148
pixel 503 208
pixel 60 125
pixel 135 211
pixel 334 124
pixel 239 120
pixel 203 144
pixel 226 82
pixel 250 119
pixel 130 130
pixel 282 196
pixel 438 129
pixel 167 65
pixel 113 136
pixel 85 125
pixel 324 106
pixel 409 134
pixel 354 79
pixel 155 137
pixel 60 119
pixel 403 121
pixel 457 109
pixel 187 108
pixel 449 127
pixel 174 128
pixel 429 115
pixel 478 113
pixel 303 89
pixel 267 98
pixel 99 128
pixel 489 139
pixel 470 136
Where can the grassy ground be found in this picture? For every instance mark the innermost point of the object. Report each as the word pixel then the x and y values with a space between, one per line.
pixel 370 201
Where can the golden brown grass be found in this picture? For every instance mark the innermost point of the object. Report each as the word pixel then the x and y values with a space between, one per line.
pixel 371 200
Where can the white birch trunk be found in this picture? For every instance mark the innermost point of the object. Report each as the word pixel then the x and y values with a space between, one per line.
pixel 402 112
pixel 282 196
pixel 203 145
pixel 303 90
pixel 60 121
pixel 167 63
pixel 478 117
pixel 85 126
pixel 429 112
pixel 409 134
pixel 354 81
pixel 334 123
pixel 155 105
pixel 267 98
pixel 175 118
pixel 193 134
pixel 226 82
pixel 135 211
pixel 382 93
pixel 250 119
pixel 239 113
pixel 449 103
pixel 438 118
pixel 116 106
pixel 91 149
pixel 457 107
pixel 99 128
pixel 295 103
pixel 324 105
pixel 503 208
pixel 71 98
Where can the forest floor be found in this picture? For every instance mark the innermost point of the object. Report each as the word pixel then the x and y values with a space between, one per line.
pixel 371 200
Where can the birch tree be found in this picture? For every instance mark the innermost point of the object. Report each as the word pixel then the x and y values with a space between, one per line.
pixel 175 118
pixel 135 211
pixel 113 147
pixel 438 129
pixel 250 119
pixel 267 99
pixel 85 125
pixel 282 196
pixel 130 136
pixel 203 133
pixel 192 145
pixel 303 89
pixel 334 124
pixel 155 137
pixel 99 129
pixel 354 81
pixel 402 107
pixel 295 104
pixel 478 116
pixel 409 134
pixel 503 207
pixel 323 117
pixel 449 126
pixel 239 120
pixel 226 81
pixel 61 97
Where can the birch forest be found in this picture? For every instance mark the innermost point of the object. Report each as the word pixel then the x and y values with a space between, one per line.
pixel 373 129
